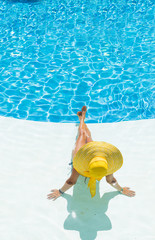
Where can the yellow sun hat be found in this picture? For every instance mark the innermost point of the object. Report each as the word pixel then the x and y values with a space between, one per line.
pixel 98 167
pixel 96 160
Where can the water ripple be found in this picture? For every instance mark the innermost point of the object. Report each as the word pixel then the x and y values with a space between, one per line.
pixel 56 57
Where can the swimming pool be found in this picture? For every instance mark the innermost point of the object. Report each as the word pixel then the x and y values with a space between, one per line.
pixel 56 56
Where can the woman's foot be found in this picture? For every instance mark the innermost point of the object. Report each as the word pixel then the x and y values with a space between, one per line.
pixel 84 110
pixel 79 114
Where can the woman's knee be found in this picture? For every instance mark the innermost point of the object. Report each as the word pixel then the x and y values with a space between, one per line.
pixel 82 132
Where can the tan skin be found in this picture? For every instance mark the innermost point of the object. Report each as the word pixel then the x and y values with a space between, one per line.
pixel 84 136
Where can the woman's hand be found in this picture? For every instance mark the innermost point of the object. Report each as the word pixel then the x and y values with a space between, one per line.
pixel 126 191
pixel 54 195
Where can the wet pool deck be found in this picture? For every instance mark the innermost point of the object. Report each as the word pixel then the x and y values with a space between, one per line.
pixel 34 159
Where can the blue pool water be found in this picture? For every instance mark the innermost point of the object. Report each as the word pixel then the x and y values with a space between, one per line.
pixel 56 56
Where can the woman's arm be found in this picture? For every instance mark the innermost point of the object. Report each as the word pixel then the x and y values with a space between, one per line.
pixel 68 184
pixel 125 190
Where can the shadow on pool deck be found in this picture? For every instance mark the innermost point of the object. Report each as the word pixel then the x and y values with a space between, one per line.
pixel 86 214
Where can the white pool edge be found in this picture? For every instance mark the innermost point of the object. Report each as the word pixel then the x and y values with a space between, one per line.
pixel 34 159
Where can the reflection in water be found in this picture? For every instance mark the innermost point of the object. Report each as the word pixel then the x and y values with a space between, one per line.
pixel 86 214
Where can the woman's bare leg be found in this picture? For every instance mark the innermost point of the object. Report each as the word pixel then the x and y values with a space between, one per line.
pixel 88 133
pixel 81 140
pixel 89 138
pixel 84 136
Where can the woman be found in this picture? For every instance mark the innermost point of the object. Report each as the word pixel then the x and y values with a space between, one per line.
pixel 97 168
